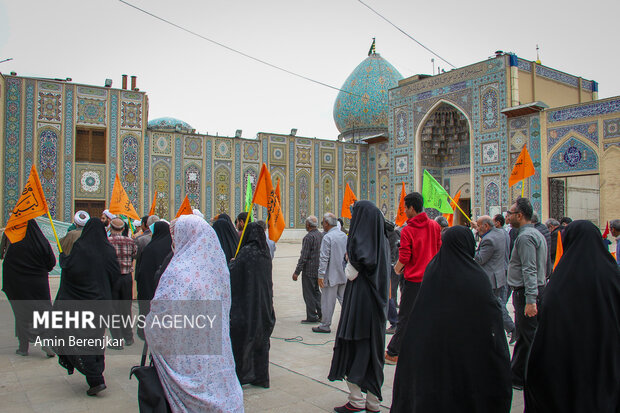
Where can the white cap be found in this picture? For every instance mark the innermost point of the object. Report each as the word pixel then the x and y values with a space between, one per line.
pixel 81 218
pixel 108 214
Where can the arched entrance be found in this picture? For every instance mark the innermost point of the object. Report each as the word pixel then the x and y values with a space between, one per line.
pixel 443 147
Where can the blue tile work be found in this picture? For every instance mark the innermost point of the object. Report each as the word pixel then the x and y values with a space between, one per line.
pixel 573 156
pixel 147 197
pixel 29 127
pixel 178 176
pixel 208 178
pixel 12 125
pixel 584 111
pixel 338 201
pixel 48 166
pixel 364 172
pixel 316 178
pixel 611 128
pixel 525 65
pixel 68 134
pixel 238 182
pixel 291 184
pixel 130 167
pixel 535 153
pixel 372 173
pixel 588 130
pixel 557 76
pixel 609 145
pixel 113 137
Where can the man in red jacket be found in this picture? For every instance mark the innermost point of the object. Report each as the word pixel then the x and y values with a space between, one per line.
pixel 420 240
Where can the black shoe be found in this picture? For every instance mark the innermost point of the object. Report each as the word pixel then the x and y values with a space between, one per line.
pixel 129 342
pixel 322 330
pixel 95 389
pixel 310 321
pixel 513 337
pixel 116 347
pixel 390 330
pixel 348 408
pixel 517 386
pixel 21 353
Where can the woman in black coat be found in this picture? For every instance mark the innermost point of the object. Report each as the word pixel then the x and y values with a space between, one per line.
pixel 25 282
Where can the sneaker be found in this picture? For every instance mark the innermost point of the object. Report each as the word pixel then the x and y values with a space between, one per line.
pixel 310 321
pixel 48 351
pixel 390 330
pixel 371 411
pixel 517 386
pixel 322 330
pixel 347 408
pixel 391 360
pixel 129 342
pixel 21 353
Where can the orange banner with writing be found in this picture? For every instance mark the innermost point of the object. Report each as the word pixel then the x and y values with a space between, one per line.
pixel 266 196
pixel 31 204
pixel 524 167
pixel 120 203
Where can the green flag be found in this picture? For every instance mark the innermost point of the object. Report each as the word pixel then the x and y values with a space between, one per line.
pixel 434 195
pixel 248 197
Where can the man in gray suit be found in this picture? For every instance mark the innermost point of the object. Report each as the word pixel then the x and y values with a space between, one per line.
pixel 492 255
pixel 332 279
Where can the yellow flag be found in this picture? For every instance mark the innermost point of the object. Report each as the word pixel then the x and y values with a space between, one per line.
pixel 120 203
pixel 30 204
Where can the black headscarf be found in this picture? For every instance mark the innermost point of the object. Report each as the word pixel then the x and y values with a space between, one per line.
pixel 252 317
pixel 574 363
pixel 435 371
pixel 152 257
pixel 360 339
pixel 92 268
pixel 227 234
pixel 26 266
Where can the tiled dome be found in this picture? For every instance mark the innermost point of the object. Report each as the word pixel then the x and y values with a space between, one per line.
pixel 170 123
pixel 366 106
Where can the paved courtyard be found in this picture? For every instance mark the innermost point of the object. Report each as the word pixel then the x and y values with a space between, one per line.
pixel 300 361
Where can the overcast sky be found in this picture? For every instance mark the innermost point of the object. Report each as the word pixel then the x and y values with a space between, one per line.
pixel 218 91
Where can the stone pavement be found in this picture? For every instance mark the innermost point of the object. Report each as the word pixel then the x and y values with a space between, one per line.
pixel 299 365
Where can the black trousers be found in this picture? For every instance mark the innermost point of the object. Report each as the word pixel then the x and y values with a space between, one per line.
pixel 525 327
pixel 312 296
pixel 408 296
pixel 122 295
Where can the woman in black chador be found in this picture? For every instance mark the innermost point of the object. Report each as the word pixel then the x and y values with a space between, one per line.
pixel 436 372
pixel 574 363
pixel 360 339
pixel 251 313
pixel 227 235
pixel 87 274
pixel 25 272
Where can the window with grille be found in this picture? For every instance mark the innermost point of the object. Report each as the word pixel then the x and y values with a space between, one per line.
pixel 90 145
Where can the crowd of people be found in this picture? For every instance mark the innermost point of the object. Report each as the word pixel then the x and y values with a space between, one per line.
pixel 440 291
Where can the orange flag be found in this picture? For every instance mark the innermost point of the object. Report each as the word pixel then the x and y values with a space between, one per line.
pixel 401 216
pixel 524 167
pixel 450 217
pixel 278 193
pixel 347 201
pixel 559 251
pixel 265 195
pixel 30 204
pixel 152 211
pixel 120 203
pixel 185 208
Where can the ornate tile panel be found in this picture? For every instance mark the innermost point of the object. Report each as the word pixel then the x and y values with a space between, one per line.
pixel 587 130
pixel 131 115
pixel 91 111
pixel 584 111
pixel 69 130
pixel 193 147
pixel 48 166
pixel 193 183
pixel 90 181
pixel 611 128
pixel 490 152
pixel 130 167
pixel 49 106
pixel 29 126
pixel 162 144
pixel 250 151
pixel 113 136
pixel 401 164
pixel 573 156
pixel 223 149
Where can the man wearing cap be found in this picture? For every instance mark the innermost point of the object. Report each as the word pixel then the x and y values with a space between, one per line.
pixel 107 217
pixel 79 220
pixel 121 291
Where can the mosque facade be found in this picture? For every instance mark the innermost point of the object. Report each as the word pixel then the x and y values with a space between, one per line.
pixel 466 127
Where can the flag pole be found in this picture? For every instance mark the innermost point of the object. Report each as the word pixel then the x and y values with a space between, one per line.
pixel 522 187
pixel 457 205
pixel 54 230
pixel 245 225
pixel 129 225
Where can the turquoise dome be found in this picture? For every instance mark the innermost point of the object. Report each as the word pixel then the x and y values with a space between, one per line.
pixel 169 123
pixel 366 106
